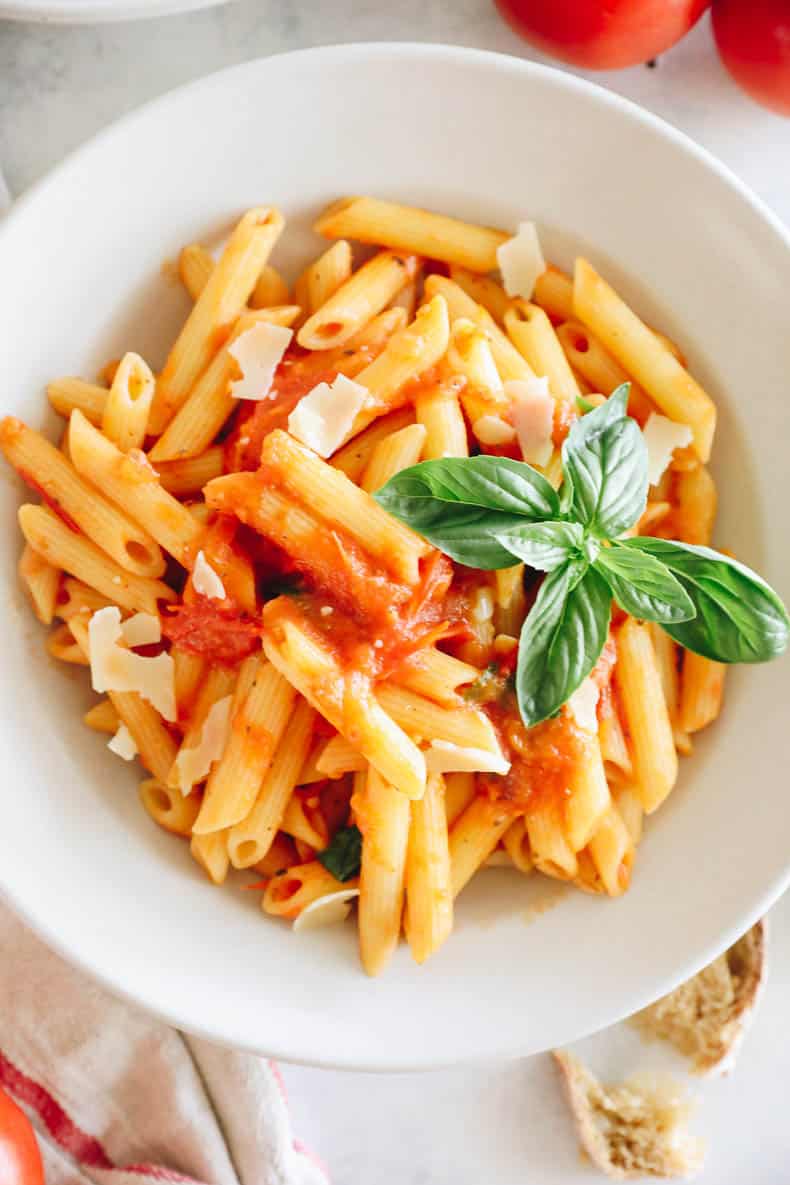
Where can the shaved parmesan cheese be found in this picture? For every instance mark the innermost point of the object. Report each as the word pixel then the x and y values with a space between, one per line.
pixel 444 757
pixel 123 744
pixel 493 430
pixel 192 765
pixel 115 668
pixel 521 261
pixel 323 418
pixel 327 910
pixel 142 629
pixel 662 436
pixel 205 580
pixel 532 413
pixel 583 705
pixel 258 351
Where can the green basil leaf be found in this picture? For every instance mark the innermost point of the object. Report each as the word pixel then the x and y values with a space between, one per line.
pixel 739 617
pixel 643 586
pixel 469 535
pixel 542 545
pixel 561 639
pixel 493 483
pixel 344 855
pixel 604 460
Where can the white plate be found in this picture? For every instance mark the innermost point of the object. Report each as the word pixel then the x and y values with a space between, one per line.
pixel 483 137
pixel 79 12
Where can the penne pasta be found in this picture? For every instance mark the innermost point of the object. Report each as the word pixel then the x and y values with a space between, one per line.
pixel 168 808
pixel 406 228
pixel 195 265
pixel 218 684
pixel 344 311
pixel 390 456
pixel 337 757
pixel 270 289
pixel 292 890
pixel 68 394
pixel 532 333
pixel 125 415
pixel 383 817
pixel 612 852
pixel 638 681
pixel 428 887
pixel 102 717
pixel 695 510
pixel 42 583
pixel 439 413
pixel 187 476
pixel 552 852
pixel 483 291
pixel 640 352
pixel 509 362
pixel 516 843
pixel 459 790
pixel 467 727
pixel 62 646
pixel 554 293
pixel 701 691
pixel 603 373
pixel 473 837
pixel 588 795
pixel 353 457
pixel 211 853
pixel 436 675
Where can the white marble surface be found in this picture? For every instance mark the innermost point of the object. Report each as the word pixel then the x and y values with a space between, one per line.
pixel 498 1125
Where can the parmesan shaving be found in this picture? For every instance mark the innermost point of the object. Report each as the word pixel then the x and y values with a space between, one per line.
pixel 192 765
pixel 444 757
pixel 326 910
pixel 532 413
pixel 205 580
pixel 521 261
pixel 142 629
pixel 493 430
pixel 583 705
pixel 323 418
pixel 116 668
pixel 662 436
pixel 258 351
pixel 123 744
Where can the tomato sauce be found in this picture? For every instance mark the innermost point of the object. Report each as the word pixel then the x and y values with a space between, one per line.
pixel 565 416
pixel 543 760
pixel 219 633
pixel 50 500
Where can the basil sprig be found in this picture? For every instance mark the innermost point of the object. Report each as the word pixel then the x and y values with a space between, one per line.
pixel 344 855
pixel 490 512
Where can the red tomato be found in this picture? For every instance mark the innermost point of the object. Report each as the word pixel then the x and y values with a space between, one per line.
pixel 602 34
pixel 20 1159
pixel 753 39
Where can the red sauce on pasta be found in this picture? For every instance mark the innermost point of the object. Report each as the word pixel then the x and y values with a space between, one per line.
pixel 212 630
pixel 543 760
pixel 51 501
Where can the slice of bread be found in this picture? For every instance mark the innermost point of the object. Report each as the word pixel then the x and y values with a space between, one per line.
pixel 633 1130
pixel 706 1017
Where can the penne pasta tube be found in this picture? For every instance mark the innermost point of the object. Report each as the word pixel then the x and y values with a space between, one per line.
pixel 483 290
pixel 76 597
pixel 382 815
pixel 130 481
pixel 168 808
pixel 195 265
pixel 41 581
pixel 467 727
pixel 612 852
pixel 347 702
pixel 63 548
pixel 459 790
pixel 188 673
pixel 398 451
pixel 77 503
pixel 695 511
pixel 339 502
pixel 218 683
pixel 701 691
pixel 280 856
pixel 356 301
pixel 304 825
pixel 408 353
pixel 509 362
pixel 614 747
pixel 667 655
pixel 372 338
pixel 511 600
pixel 68 393
pixel 219 304
pixel 439 413
pixel 257 725
pixel 516 843
pixel 473 837
pixel 551 850
pixel 470 355
pixel 435 675
pixel 554 293
pixel 406 228
pixel 533 334
pixel 61 645
pixel 126 411
pixel 638 680
pixel 636 348
pixel 102 717
pixel 428 888
pixel 603 373
pixel 186 477
pixel 270 289
pixel 337 757
pixel 250 840
pixel 588 795
pixel 291 891
pixel 353 457
pixel 631 811
pixel 211 853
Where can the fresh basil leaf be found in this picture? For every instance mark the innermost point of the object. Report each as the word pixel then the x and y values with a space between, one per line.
pixel 344 855
pixel 643 586
pixel 561 639
pixel 604 460
pixel 469 535
pixel 493 483
pixel 542 545
pixel 739 617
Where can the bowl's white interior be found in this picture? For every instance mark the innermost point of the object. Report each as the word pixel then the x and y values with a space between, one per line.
pixel 486 138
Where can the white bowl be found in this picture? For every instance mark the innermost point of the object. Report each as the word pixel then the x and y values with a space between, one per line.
pixel 80 12
pixel 483 137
